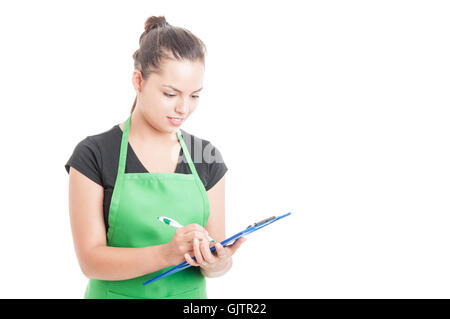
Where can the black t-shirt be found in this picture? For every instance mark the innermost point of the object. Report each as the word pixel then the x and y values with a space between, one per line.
pixel 97 157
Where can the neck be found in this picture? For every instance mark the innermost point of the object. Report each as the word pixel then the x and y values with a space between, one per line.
pixel 145 133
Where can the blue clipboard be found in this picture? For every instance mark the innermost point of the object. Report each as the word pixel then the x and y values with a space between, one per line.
pixel 226 242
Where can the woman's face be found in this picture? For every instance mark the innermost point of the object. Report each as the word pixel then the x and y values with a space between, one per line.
pixel 174 93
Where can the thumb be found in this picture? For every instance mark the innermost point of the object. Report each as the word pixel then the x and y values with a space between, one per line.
pixel 237 244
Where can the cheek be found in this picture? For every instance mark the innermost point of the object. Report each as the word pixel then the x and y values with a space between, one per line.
pixel 193 107
pixel 160 106
pixel 157 98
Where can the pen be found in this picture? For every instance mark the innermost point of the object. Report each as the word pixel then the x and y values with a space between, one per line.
pixel 175 224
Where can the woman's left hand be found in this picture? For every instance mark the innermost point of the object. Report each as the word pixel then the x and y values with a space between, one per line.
pixel 213 262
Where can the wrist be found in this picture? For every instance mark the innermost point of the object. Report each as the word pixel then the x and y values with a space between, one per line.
pixel 163 253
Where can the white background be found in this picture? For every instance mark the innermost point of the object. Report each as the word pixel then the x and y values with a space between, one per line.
pixel 337 111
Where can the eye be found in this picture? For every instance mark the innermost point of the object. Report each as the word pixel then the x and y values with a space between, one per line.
pixel 168 95
pixel 195 96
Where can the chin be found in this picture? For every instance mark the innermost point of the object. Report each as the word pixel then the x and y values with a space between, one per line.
pixel 170 130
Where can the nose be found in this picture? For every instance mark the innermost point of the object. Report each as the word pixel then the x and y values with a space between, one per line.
pixel 182 107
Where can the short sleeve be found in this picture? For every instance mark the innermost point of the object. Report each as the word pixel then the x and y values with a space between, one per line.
pixel 86 158
pixel 216 165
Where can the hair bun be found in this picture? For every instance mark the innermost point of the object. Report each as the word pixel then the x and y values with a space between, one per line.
pixel 154 22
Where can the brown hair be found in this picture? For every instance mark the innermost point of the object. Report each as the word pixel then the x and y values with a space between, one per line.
pixel 159 40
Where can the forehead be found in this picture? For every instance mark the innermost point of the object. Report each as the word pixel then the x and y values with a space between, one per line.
pixel 181 72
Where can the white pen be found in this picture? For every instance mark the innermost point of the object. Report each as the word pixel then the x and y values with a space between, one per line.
pixel 175 224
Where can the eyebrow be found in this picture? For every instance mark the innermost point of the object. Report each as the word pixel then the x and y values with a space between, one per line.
pixel 175 89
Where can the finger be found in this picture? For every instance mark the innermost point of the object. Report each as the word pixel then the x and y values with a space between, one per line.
pixel 221 251
pixel 194 227
pixel 190 261
pixel 189 237
pixel 207 256
pixel 179 232
pixel 198 254
pixel 183 231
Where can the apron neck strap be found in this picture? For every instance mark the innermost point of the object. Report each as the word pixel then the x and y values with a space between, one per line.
pixel 186 154
pixel 124 148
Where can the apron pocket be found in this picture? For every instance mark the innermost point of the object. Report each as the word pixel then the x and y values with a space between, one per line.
pixel 116 295
pixel 190 294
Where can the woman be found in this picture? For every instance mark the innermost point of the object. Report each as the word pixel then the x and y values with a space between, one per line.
pixel 123 179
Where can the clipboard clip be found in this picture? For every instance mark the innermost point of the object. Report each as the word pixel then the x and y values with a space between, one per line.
pixel 261 222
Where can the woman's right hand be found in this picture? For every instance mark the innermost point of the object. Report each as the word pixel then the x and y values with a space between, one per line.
pixel 182 242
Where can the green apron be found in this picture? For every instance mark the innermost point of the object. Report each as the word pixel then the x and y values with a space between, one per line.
pixel 137 200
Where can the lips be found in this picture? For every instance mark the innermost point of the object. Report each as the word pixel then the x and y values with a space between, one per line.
pixel 175 120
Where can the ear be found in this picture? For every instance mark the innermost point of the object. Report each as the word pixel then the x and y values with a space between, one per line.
pixel 137 81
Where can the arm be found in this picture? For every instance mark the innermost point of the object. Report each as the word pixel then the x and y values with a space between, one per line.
pixel 97 260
